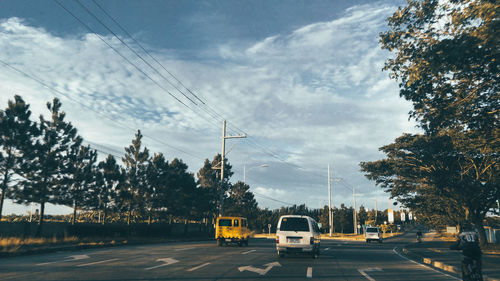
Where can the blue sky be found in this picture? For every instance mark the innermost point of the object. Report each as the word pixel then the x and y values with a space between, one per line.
pixel 302 78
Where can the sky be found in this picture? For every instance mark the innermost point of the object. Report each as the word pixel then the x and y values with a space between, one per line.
pixel 302 79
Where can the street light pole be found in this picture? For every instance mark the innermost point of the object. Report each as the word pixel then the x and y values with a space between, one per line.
pixel 244 170
pixel 330 219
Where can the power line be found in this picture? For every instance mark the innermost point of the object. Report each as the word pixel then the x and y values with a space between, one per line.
pixel 133 51
pixel 270 198
pixel 211 112
pixel 57 92
pixel 120 54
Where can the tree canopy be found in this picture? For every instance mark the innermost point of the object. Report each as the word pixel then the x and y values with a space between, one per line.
pixel 446 62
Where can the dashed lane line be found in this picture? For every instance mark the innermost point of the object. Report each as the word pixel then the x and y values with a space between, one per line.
pixel 97 262
pixel 185 249
pixel 248 252
pixel 198 267
pixel 309 272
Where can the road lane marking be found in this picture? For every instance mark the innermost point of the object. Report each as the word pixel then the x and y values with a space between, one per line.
pixel 72 258
pixel 309 272
pixel 185 249
pixel 248 252
pixel 261 271
pixel 326 249
pixel 97 262
pixel 166 261
pixel 428 267
pixel 363 272
pixel 198 267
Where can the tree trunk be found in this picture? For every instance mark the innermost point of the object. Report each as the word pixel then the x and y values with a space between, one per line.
pixel 478 223
pixel 2 196
pixel 74 214
pixel 129 214
pixel 40 220
pixel 104 216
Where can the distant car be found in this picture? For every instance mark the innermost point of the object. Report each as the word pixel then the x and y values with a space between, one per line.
pixel 297 234
pixel 373 234
pixel 232 230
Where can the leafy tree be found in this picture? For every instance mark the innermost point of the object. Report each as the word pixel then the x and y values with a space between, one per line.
pixel 209 179
pixel 134 192
pixel 46 163
pixel 324 219
pixel 446 60
pixel 241 201
pixel 16 133
pixel 184 190
pixel 112 177
pixel 362 215
pixel 426 174
pixel 158 179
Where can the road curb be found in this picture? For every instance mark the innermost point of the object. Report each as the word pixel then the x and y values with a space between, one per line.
pixel 438 264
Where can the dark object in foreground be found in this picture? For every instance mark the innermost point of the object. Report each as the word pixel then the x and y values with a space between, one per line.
pixel 468 242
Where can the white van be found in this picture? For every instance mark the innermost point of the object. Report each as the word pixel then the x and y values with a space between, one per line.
pixel 297 234
pixel 373 234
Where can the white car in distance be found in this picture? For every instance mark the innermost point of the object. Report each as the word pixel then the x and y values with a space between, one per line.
pixel 373 234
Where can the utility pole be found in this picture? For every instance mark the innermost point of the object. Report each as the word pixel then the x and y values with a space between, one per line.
pixel 330 219
pixel 224 137
pixel 354 213
pixel 376 211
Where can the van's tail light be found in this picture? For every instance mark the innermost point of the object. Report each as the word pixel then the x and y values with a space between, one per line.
pixel 312 240
pixel 277 239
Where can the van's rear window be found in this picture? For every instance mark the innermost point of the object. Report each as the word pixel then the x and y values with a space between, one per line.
pixel 224 222
pixel 371 229
pixel 294 224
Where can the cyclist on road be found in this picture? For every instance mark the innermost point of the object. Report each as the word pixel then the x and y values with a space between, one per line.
pixel 468 242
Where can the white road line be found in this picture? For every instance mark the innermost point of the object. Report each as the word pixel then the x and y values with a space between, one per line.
pixel 166 261
pixel 363 272
pixel 428 267
pixel 326 249
pixel 365 275
pixel 309 272
pixel 72 258
pixel 248 252
pixel 184 249
pixel 97 262
pixel 198 267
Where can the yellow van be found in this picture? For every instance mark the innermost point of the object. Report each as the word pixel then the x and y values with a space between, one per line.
pixel 232 230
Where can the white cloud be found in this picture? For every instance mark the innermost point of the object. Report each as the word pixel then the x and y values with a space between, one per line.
pixel 314 96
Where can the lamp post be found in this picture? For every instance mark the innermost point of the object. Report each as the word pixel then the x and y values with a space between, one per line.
pixel 245 167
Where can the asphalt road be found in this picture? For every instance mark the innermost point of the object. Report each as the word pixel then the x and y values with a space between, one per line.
pixel 339 260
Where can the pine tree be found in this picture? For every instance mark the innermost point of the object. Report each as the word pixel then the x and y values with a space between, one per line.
pixel 241 201
pixel 46 163
pixel 111 178
pixel 17 132
pixel 134 191
pixel 81 178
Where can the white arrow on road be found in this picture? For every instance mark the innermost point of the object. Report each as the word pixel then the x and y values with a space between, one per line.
pixel 364 270
pixel 261 271
pixel 166 261
pixel 72 258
